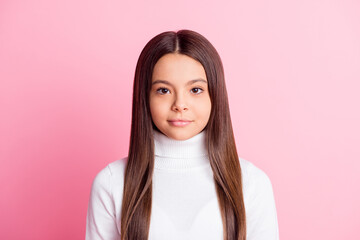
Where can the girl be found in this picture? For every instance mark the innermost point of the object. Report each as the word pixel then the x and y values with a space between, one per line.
pixel 182 178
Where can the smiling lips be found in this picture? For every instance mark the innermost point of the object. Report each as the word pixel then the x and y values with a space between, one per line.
pixel 179 122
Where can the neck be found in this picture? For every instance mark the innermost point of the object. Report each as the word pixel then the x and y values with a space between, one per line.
pixel 171 153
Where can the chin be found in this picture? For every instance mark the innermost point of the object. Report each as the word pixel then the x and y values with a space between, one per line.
pixel 180 136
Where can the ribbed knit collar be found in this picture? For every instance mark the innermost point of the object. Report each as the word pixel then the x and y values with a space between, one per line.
pixel 178 154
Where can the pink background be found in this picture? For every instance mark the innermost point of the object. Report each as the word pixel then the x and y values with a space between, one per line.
pixel 292 71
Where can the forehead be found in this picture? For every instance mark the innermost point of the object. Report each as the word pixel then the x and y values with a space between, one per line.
pixel 175 67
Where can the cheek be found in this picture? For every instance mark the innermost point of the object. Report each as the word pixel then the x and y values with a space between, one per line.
pixel 157 109
pixel 204 108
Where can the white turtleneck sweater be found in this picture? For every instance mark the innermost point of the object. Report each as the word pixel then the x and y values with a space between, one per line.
pixel 184 200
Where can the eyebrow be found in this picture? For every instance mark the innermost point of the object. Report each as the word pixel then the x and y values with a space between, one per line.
pixel 188 83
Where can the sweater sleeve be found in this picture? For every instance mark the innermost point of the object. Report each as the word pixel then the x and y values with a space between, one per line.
pixel 262 223
pixel 100 219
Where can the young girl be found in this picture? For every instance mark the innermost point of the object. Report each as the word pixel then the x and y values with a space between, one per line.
pixel 182 178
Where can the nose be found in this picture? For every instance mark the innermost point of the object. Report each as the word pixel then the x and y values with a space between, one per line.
pixel 179 104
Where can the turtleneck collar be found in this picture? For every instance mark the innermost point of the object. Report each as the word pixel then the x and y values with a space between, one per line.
pixel 175 154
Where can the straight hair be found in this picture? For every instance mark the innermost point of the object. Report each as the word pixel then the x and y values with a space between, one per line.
pixel 220 142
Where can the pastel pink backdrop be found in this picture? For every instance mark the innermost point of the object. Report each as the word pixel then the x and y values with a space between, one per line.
pixel 292 72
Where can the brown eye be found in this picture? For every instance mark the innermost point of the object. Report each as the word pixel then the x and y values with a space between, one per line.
pixel 162 90
pixel 197 90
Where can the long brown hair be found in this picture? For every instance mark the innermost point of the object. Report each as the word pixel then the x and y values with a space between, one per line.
pixel 137 195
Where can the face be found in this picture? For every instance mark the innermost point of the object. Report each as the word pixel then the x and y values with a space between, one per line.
pixel 179 99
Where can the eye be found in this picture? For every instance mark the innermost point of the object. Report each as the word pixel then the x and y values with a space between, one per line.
pixel 162 90
pixel 197 90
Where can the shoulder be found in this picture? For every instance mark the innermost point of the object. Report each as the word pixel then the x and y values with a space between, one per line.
pixel 117 168
pixel 255 181
pixel 260 207
pixel 110 176
pixel 252 173
pixel 105 202
pixel 113 169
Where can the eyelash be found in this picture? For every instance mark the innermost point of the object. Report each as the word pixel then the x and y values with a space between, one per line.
pixel 158 90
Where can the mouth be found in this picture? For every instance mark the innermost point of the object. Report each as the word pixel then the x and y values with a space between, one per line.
pixel 179 122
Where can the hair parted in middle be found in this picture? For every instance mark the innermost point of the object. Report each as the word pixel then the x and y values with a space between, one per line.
pixel 220 142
